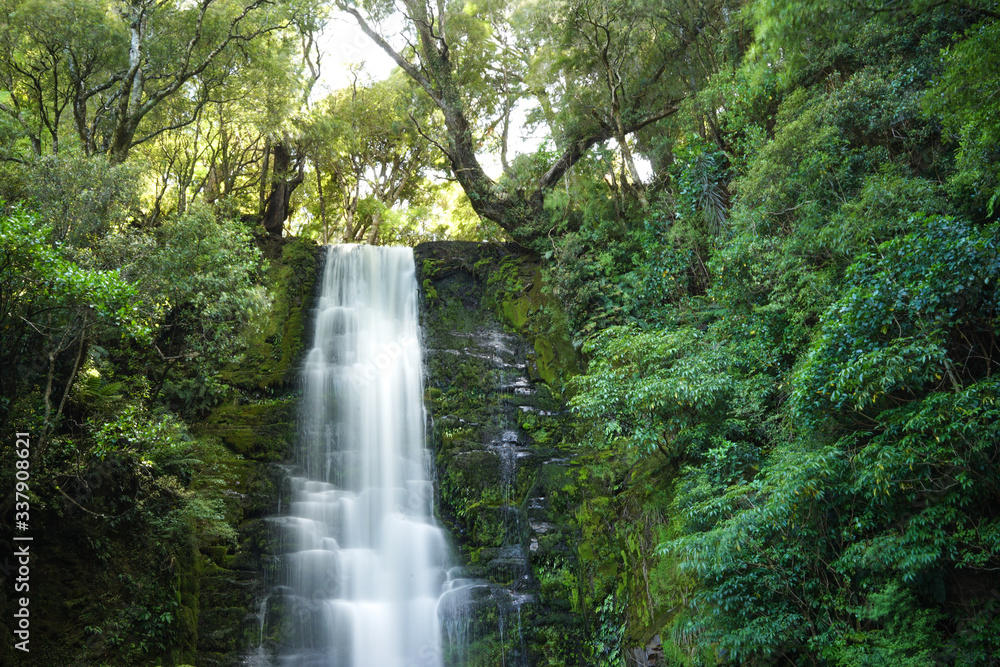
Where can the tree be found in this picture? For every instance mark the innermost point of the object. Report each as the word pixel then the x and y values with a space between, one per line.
pixel 194 277
pixel 658 389
pixel 209 31
pixel 438 39
pixel 623 55
pixel 116 62
pixel 368 154
pixel 965 99
pixel 218 156
pixel 51 310
pixel 43 44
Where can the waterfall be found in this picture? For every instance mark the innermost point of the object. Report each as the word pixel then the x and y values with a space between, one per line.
pixel 366 562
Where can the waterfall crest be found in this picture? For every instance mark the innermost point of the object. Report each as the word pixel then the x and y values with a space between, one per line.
pixel 367 562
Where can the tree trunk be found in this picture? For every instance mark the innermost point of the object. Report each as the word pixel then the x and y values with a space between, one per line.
pixel 265 171
pixel 373 231
pixel 322 205
pixel 283 184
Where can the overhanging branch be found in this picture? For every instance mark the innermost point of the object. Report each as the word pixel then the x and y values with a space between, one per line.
pixel 578 147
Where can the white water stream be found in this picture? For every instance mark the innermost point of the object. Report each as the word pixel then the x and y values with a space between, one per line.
pixel 368 563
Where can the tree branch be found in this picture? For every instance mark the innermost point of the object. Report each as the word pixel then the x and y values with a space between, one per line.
pixel 403 63
pixel 577 148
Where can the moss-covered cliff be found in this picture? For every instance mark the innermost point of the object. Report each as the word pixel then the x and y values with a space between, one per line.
pixel 497 360
pixel 258 429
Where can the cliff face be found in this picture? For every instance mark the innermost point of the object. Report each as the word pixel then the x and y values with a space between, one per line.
pixel 227 582
pixel 496 360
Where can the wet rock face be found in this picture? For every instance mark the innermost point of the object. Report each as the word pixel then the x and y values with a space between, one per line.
pixel 488 411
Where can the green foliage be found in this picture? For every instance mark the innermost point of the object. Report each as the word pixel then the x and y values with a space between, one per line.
pixel 805 170
pixel 898 632
pixel 754 548
pixel 817 380
pixel 203 268
pixel 197 281
pixel 802 31
pixel 38 277
pixel 373 161
pixel 887 340
pixel 700 177
pixel 82 199
pixel 609 273
pixel 933 456
pixel 134 429
pixel 51 309
pixel 607 642
pixel 786 435
pixel 652 389
pixel 962 98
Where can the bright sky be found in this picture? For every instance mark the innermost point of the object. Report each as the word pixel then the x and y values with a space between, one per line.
pixel 343 44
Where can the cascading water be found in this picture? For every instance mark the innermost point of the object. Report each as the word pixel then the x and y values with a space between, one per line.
pixel 367 562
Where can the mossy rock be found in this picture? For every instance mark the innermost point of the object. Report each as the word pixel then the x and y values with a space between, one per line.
pixel 223 630
pixel 260 432
pixel 487 319
pixel 532 313
pixel 217 554
pixel 271 361
pixel 257 537
pixel 227 589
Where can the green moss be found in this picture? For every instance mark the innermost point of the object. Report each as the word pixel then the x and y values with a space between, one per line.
pixel 530 312
pixel 257 431
pixel 271 359
pixel 216 554
pixel 483 292
pixel 558 588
